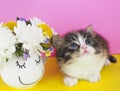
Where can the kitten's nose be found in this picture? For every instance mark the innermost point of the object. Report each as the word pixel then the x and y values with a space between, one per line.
pixel 84 47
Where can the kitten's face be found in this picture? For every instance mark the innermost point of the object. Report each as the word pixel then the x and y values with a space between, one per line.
pixel 78 44
pixel 82 45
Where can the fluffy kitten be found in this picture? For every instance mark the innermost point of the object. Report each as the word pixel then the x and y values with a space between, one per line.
pixel 81 55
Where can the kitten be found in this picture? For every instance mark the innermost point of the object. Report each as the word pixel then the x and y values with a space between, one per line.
pixel 81 55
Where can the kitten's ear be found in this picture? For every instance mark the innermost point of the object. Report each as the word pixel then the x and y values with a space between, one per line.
pixel 57 41
pixel 90 30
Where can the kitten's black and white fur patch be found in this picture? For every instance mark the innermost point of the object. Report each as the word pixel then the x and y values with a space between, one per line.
pixel 81 55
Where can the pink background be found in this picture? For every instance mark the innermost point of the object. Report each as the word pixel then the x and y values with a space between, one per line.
pixel 66 15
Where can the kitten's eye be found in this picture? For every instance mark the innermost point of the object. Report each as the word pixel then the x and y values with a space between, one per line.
pixel 20 66
pixel 89 42
pixel 73 46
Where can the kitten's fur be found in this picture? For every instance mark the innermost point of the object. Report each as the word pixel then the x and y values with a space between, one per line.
pixel 81 55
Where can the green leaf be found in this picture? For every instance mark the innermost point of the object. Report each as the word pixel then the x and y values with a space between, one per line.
pixel 7 59
pixel 19 50
pixel 45 46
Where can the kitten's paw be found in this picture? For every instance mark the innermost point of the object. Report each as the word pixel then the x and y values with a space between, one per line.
pixel 107 63
pixel 94 78
pixel 69 81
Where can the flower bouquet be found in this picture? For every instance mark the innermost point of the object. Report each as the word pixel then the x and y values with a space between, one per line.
pixel 24 44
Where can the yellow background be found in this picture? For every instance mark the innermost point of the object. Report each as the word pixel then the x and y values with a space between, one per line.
pixel 53 80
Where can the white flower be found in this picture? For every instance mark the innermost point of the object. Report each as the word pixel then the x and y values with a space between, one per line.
pixel 30 35
pixel 7 43
pixel 35 21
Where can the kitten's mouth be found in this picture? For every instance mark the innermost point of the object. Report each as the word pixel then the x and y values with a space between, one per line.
pixel 85 52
